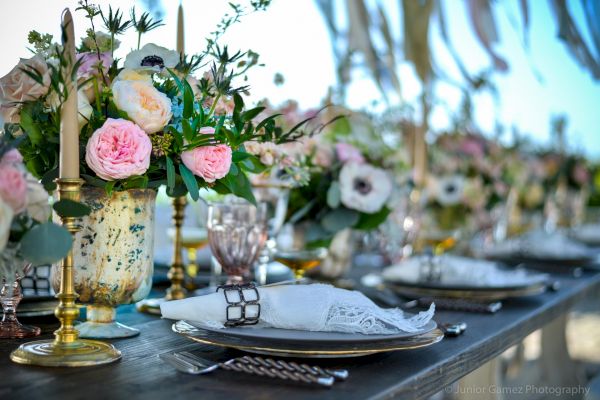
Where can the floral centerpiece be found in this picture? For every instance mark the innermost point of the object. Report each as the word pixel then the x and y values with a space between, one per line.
pixel 146 120
pixel 348 187
pixel 469 176
pixel 151 118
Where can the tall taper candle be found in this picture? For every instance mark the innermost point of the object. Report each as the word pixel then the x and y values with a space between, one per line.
pixel 180 36
pixel 69 128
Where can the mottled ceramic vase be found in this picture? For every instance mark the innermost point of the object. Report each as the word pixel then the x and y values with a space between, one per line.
pixel 113 256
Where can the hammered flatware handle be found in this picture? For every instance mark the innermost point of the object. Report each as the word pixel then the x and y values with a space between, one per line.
pixel 272 372
pixel 340 374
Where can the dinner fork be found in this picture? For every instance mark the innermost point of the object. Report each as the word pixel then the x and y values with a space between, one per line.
pixel 337 374
pixel 197 367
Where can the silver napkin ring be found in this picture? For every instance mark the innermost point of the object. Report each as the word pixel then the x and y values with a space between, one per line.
pixel 243 307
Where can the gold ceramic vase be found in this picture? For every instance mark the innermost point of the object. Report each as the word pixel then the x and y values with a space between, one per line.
pixel 113 255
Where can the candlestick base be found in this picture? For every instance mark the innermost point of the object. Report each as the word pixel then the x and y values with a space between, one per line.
pixel 80 353
pixel 150 306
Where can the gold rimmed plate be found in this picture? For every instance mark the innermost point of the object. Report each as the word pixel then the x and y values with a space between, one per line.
pixel 306 349
pixel 483 293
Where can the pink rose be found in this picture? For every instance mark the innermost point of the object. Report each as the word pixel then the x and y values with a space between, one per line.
pixel 90 63
pixel 13 187
pixel 11 157
pixel 346 152
pixel 9 114
pixel 581 174
pixel 472 147
pixel 208 162
pixel 17 86
pixel 119 149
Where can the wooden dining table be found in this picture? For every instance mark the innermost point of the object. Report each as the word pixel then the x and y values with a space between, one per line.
pixel 410 374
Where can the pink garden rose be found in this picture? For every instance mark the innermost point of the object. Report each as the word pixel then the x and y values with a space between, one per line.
pixel 119 149
pixel 11 157
pixel 346 152
pixel 208 162
pixel 90 62
pixel 13 187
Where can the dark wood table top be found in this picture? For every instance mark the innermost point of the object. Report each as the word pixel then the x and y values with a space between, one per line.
pixel 406 374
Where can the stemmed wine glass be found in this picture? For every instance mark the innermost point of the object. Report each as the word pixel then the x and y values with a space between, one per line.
pixel 301 260
pixel 11 273
pixel 237 231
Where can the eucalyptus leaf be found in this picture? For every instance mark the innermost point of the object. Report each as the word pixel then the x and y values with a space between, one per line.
pixel 338 219
pixel 70 208
pixel 46 243
pixel 48 180
pixel 333 195
pixel 177 191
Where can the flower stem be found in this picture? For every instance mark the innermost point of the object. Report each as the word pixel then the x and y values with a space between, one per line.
pixel 97 94
pixel 214 105
pixel 112 45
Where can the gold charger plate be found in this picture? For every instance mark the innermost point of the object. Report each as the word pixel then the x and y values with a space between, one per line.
pixel 482 294
pixel 313 350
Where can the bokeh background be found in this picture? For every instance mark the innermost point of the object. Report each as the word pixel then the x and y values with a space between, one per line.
pixel 543 79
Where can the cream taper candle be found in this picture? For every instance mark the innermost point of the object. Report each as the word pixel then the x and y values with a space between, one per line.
pixel 69 128
pixel 180 35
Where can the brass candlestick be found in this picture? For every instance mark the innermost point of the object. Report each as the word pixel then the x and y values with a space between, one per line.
pixel 177 271
pixel 66 350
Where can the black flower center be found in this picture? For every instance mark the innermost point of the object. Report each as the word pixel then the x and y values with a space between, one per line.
pixel 362 186
pixel 153 61
pixel 451 188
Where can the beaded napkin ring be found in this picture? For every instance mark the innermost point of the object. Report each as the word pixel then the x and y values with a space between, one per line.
pixel 243 307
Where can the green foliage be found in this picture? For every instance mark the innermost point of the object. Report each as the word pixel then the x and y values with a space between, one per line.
pixel 339 219
pixel 70 208
pixel 368 222
pixel 46 244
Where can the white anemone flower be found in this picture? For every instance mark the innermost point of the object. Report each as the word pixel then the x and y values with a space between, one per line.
pixel 152 57
pixel 364 188
pixel 450 190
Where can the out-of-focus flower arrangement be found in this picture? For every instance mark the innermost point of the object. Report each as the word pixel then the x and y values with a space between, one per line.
pixel 26 234
pixel 155 117
pixel 346 171
pixel 472 179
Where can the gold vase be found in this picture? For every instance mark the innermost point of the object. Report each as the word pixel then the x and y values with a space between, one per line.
pixel 113 256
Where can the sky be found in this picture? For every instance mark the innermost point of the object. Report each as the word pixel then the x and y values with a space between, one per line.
pixel 292 39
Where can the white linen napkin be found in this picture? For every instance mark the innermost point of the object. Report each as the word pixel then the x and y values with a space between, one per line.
pixel 315 307
pixel 539 244
pixel 464 272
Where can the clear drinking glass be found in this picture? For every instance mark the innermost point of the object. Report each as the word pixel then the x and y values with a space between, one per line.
pixel 276 196
pixel 237 231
